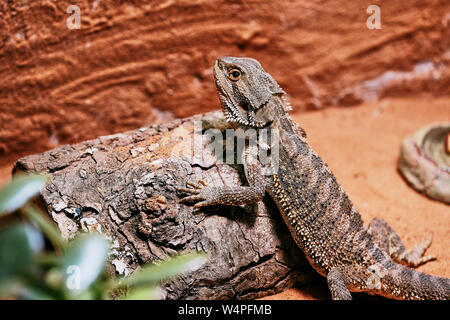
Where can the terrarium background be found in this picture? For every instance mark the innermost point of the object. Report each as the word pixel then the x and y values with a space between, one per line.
pixel 135 63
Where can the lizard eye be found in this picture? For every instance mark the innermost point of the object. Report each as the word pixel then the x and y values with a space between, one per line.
pixel 234 74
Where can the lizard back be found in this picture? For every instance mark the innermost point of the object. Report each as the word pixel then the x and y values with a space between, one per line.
pixel 318 212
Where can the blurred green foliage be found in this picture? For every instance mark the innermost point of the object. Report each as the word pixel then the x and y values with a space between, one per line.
pixel 73 269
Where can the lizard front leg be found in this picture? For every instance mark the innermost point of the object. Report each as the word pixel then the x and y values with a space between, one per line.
pixel 226 195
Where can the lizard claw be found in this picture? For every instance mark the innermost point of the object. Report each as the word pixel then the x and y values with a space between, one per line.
pixel 195 197
pixel 188 190
pixel 196 187
pixel 201 204
pixel 418 252
pixel 195 193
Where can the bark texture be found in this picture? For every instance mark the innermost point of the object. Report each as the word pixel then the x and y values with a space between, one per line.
pixel 124 186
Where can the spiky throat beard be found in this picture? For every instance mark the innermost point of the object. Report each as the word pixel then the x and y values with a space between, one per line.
pixel 238 114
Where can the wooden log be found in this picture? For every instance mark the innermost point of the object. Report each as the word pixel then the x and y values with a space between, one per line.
pixel 124 185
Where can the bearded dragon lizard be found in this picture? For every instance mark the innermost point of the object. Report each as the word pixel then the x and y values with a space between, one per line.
pixel 320 216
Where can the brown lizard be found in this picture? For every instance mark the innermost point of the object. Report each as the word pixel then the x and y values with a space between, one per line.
pixel 321 218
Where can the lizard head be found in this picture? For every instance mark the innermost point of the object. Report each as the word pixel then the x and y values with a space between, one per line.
pixel 244 90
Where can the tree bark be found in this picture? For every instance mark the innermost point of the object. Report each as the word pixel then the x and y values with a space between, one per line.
pixel 124 186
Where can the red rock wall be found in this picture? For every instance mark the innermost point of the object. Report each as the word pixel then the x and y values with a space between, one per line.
pixel 137 62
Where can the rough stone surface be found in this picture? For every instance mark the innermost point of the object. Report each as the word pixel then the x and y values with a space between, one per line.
pixel 124 186
pixel 424 161
pixel 133 63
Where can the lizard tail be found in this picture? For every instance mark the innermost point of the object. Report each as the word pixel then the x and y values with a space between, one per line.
pixel 409 284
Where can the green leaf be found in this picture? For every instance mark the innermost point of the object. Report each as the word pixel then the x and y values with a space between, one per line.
pixel 36 240
pixel 47 226
pixel 47 260
pixel 16 254
pixel 87 295
pixel 144 293
pixel 83 262
pixel 31 290
pixel 53 278
pixel 154 273
pixel 16 193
